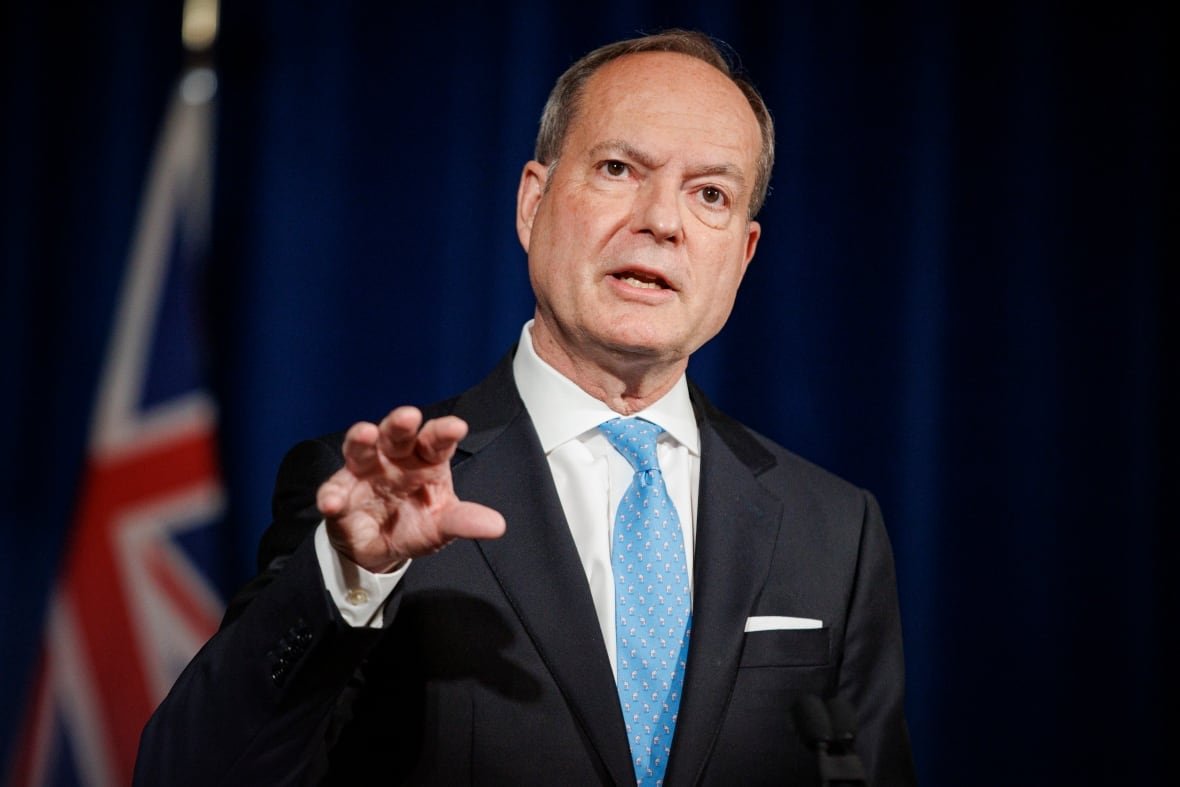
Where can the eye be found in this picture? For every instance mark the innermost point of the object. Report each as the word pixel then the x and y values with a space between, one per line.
pixel 713 196
pixel 616 169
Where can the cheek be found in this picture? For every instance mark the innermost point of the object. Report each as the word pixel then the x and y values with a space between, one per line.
pixel 721 288
pixel 721 264
pixel 581 230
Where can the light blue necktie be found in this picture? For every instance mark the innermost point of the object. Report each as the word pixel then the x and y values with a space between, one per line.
pixel 653 617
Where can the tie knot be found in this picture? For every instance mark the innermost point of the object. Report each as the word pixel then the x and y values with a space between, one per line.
pixel 635 439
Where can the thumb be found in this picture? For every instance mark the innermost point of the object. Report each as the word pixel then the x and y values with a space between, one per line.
pixel 472 520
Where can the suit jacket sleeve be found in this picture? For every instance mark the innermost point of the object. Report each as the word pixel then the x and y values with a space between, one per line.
pixel 872 672
pixel 259 701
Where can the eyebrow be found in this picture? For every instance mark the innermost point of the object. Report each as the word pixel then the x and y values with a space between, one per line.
pixel 627 150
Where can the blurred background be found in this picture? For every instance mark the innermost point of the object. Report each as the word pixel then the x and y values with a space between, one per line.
pixel 961 302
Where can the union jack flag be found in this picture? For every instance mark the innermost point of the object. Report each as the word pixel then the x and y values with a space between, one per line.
pixel 131 605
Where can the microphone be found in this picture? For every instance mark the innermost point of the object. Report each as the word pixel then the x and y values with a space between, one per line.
pixel 843 719
pixel 829 729
pixel 812 722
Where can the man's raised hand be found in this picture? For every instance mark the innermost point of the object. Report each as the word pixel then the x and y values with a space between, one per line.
pixel 393 499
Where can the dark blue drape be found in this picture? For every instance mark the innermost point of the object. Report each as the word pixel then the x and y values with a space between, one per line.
pixel 961 301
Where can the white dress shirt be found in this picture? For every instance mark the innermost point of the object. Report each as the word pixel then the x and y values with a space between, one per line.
pixel 590 475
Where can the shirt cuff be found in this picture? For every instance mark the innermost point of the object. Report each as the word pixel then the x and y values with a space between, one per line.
pixel 359 594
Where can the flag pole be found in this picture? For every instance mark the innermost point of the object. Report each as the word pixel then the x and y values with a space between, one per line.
pixel 131 605
pixel 198 28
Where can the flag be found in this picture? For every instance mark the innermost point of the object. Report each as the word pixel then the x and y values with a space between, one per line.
pixel 132 603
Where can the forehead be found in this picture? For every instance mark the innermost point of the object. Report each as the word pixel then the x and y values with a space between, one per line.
pixel 672 102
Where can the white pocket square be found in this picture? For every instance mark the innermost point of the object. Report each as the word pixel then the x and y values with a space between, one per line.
pixel 780 623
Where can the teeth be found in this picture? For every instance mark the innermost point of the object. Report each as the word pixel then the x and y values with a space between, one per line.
pixel 634 282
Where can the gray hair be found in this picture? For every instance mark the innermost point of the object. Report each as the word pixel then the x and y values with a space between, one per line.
pixel 566 98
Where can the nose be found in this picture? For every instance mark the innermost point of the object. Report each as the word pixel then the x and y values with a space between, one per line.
pixel 657 211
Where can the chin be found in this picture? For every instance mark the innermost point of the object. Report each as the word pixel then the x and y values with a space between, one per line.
pixel 640 344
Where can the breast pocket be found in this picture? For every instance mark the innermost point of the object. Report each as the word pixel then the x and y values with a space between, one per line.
pixel 776 668
pixel 787 648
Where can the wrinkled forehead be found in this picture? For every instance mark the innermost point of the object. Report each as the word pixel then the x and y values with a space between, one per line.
pixel 672 97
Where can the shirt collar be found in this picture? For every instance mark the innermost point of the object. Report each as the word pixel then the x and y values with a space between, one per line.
pixel 561 411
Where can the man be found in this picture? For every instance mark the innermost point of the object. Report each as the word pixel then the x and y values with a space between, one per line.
pixel 482 593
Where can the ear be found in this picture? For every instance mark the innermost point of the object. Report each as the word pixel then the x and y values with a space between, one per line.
pixel 753 233
pixel 528 199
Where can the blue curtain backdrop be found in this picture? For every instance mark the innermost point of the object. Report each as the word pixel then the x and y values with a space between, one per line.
pixel 962 300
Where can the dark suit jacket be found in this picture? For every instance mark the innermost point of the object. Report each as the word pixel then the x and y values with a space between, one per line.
pixel 492 669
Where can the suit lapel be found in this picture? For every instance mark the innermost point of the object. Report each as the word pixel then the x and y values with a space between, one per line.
pixel 536 562
pixel 737 526
pixel 501 464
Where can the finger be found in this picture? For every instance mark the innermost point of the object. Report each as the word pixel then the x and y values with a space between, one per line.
pixel 439 437
pixel 398 432
pixel 360 449
pixel 332 496
pixel 472 520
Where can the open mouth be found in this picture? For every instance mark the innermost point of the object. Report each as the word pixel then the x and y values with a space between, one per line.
pixel 644 281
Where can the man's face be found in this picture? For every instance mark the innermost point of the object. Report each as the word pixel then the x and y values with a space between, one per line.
pixel 638 239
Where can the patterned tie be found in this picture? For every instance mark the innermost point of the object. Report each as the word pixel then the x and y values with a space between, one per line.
pixel 652 615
